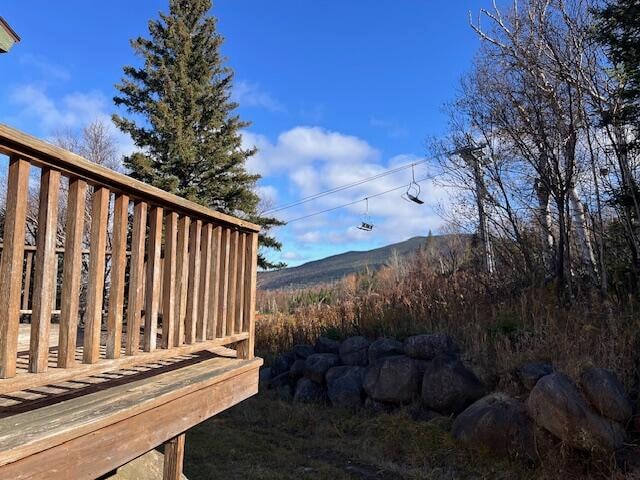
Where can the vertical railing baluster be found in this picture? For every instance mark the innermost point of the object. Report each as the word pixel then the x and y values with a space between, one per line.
pixel 246 348
pixel 44 270
pixel 71 272
pixel 232 274
pixel 214 283
pixel 169 284
pixel 153 279
pixel 95 297
pixel 118 267
pixel 182 279
pixel 221 329
pixel 11 263
pixel 194 282
pixel 240 283
pixel 136 277
pixel 205 278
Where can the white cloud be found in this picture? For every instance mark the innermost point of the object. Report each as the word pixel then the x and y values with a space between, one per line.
pixel 72 111
pixel 302 146
pixel 307 160
pixel 249 94
pixel 47 69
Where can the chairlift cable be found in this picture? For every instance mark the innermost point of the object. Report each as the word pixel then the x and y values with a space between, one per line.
pixel 379 194
pixel 349 185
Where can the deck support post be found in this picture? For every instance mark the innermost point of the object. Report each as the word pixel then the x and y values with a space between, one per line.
pixel 173 458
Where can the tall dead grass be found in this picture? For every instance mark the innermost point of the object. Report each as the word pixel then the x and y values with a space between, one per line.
pixel 498 323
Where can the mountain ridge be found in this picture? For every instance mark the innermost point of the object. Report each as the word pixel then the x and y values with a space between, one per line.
pixel 336 267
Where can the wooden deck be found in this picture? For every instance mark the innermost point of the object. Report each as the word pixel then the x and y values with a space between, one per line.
pixel 140 316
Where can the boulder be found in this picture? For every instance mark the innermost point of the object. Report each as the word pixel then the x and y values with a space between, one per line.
pixel 384 347
pixel 530 373
pixel 327 345
pixel 498 423
pixel 303 351
pixel 283 363
pixel 354 351
pixel 344 386
pixel 297 369
pixel 557 406
pixel 392 379
pixel 316 365
pixel 429 346
pixel 449 387
pixel 308 391
pixel 606 394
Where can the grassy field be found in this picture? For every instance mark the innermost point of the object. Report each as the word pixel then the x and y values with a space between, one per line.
pixel 265 438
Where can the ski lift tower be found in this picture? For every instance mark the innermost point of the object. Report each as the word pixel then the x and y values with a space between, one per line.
pixel 8 37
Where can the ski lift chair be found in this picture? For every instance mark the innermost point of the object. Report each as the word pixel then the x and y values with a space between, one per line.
pixel 413 190
pixel 366 223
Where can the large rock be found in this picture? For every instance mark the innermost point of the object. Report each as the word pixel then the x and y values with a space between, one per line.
pixel 429 346
pixel 316 365
pixel 392 380
pixel 308 391
pixel 499 423
pixel 449 387
pixel 344 386
pixel 530 373
pixel 297 369
pixel 327 345
pixel 605 392
pixel 384 347
pixel 556 405
pixel 303 351
pixel 354 351
pixel 283 363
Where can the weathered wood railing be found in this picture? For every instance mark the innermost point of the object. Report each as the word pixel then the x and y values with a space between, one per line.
pixel 207 283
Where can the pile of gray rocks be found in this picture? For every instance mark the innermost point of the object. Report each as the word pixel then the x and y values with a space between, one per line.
pixel 426 373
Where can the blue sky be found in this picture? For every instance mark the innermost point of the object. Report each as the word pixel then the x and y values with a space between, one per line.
pixel 335 90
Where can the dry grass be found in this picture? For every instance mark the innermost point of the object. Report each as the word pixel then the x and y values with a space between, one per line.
pixel 498 326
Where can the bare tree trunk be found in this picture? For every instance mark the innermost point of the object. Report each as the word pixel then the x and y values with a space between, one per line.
pixel 546 224
pixel 583 241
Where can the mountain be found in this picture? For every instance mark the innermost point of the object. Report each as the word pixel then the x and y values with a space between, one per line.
pixel 334 268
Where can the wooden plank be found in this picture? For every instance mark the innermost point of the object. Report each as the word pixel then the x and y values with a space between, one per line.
pixel 170 286
pixel 232 277
pixel 246 348
pixel 173 458
pixel 153 279
pixel 134 435
pixel 95 280
pixel 205 279
pixel 53 375
pixel 221 327
pixel 28 271
pixel 26 433
pixel 214 283
pixel 242 239
pixel 194 282
pixel 16 143
pixel 136 278
pixel 11 263
pixel 71 272
pixel 118 267
pixel 45 269
pixel 182 279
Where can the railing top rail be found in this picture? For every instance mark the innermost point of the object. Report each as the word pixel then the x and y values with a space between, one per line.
pixel 16 143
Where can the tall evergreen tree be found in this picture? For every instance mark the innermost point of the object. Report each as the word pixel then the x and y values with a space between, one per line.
pixel 183 120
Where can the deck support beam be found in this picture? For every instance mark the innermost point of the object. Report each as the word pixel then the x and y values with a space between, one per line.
pixel 173 458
